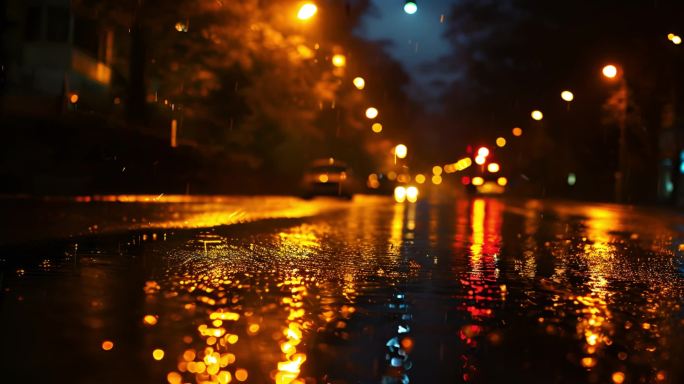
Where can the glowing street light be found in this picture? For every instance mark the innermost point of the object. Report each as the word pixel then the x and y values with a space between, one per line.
pixel 359 82
pixel 400 151
pixel 483 152
pixel 372 113
pixel 437 170
pixel 480 160
pixel 339 60
pixel 307 11
pixel 610 71
pixel 410 7
pixel 376 127
pixel 477 181
pixel 73 98
pixel 567 96
pixel 502 181
pixel 493 167
pixel 517 131
pixel 500 142
pixel 676 40
pixel 537 115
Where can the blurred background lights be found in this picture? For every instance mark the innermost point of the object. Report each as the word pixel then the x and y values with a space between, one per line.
pixel 437 170
pixel 537 115
pixel 420 178
pixel 483 152
pixel 372 113
pixel 502 181
pixel 359 82
pixel 500 142
pixel 339 60
pixel 572 179
pixel 412 194
pixel 517 131
pixel 493 167
pixel 436 179
pixel 400 194
pixel 401 151
pixel 410 7
pixel 609 71
pixel 477 181
pixel 479 160
pixel 376 127
pixel 307 11
pixel 567 96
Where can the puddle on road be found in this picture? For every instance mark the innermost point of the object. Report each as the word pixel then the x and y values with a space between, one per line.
pixel 474 291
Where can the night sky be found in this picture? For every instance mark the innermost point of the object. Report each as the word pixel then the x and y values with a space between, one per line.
pixel 416 40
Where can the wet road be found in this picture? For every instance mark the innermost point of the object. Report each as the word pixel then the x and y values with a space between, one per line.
pixel 369 291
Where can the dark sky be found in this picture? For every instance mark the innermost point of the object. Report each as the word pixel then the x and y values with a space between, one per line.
pixel 415 39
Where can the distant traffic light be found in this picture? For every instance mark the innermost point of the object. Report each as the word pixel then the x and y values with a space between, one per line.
pixel 410 7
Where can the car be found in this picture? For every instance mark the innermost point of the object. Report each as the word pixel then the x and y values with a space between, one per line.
pixel 328 177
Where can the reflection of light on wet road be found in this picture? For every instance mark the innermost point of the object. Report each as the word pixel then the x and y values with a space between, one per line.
pixel 368 291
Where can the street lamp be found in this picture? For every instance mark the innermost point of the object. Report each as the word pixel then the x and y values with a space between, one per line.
pixel 410 7
pixel 483 151
pixel 537 115
pixel 307 11
pixel 372 113
pixel 400 151
pixel 610 71
pixel 567 96
pixel 620 99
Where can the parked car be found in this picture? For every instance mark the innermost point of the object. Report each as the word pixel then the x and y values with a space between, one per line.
pixel 328 177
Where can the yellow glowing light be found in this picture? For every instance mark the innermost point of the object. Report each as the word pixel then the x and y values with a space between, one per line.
pixel 500 142
pixel 412 194
pixel 437 170
pixel 677 40
pixel 420 178
pixel 372 113
pixel 401 151
pixel 323 178
pixel 436 179
pixel 670 36
pixel 567 96
pixel 241 374
pixel 376 127
pixel 107 345
pixel 517 132
pixel 502 181
pixel 618 377
pixel 158 354
pixel 493 167
pixel 391 175
pixel 150 320
pixel 174 378
pixel 537 115
pixel 359 82
pixel 400 194
pixel 477 181
pixel 339 60
pixel 307 11
pixel 73 98
pixel 181 27
pixel 483 152
pixel 480 160
pixel 610 71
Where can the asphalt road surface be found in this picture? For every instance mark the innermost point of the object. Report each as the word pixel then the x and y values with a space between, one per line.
pixel 277 290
